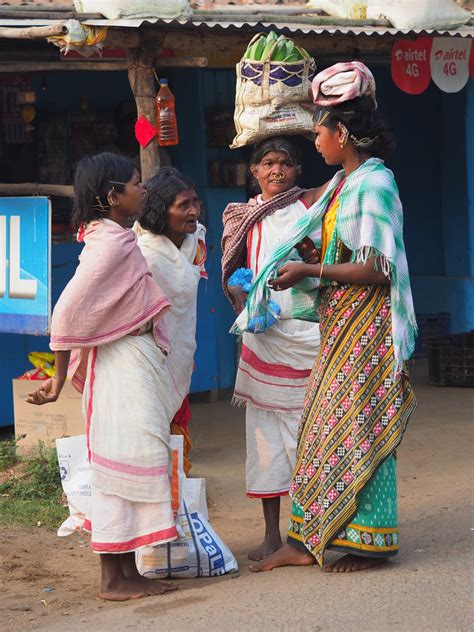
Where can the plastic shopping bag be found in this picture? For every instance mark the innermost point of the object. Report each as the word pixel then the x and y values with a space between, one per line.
pixel 198 551
pixel 75 473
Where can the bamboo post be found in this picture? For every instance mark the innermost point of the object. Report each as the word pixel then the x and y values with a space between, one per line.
pixel 33 32
pixel 142 81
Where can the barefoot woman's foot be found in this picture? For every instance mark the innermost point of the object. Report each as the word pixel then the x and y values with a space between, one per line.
pixel 287 555
pixel 126 589
pixel 267 548
pixel 130 571
pixel 352 563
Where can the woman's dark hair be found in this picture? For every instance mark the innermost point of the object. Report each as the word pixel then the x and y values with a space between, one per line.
pixel 277 143
pixel 95 177
pixel 161 191
pixel 363 121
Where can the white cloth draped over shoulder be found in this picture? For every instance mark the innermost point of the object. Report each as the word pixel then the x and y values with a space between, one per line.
pixel 178 272
pixel 111 313
pixel 275 365
pixel 128 417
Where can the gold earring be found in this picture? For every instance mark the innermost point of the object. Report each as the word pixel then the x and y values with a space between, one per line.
pixel 110 200
pixel 345 135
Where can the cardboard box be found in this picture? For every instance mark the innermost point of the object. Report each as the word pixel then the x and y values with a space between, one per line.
pixel 49 421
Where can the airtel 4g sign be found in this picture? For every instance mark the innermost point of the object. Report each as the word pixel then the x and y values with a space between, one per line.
pixel 25 265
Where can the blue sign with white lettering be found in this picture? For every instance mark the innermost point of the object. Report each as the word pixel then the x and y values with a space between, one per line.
pixel 25 265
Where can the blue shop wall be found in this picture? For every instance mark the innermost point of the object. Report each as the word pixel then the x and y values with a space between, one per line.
pixel 216 354
pixel 432 164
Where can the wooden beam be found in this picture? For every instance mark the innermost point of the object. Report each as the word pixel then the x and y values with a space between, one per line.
pixel 58 66
pixel 120 64
pixel 181 62
pixel 225 48
pixel 36 188
pixel 275 19
pixel 122 38
pixel 141 75
pixel 46 13
pixel 33 32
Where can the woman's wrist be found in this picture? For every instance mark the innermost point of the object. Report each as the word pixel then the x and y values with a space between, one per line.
pixel 60 378
pixel 313 269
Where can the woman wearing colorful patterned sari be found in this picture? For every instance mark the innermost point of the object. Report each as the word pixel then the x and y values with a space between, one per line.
pixel 359 398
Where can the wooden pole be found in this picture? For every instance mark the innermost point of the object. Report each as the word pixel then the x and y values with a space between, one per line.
pixel 36 188
pixel 33 32
pixel 142 81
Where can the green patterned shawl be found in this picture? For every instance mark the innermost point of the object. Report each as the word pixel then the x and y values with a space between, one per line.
pixel 370 223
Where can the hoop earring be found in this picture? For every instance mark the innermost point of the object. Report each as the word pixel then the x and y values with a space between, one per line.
pixel 110 200
pixel 345 135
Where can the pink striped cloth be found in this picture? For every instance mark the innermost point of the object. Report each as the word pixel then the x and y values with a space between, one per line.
pixel 342 82
pixel 111 294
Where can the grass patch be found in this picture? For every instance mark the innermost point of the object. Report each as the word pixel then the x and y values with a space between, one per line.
pixel 8 453
pixel 28 513
pixel 31 492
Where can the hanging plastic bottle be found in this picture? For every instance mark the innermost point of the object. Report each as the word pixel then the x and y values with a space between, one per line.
pixel 166 116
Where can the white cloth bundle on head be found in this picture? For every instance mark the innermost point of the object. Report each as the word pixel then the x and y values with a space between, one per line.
pixel 342 82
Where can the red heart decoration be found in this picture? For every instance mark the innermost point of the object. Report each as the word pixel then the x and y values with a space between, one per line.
pixel 145 132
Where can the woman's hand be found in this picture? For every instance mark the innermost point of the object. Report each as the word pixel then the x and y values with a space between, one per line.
pixel 288 275
pixel 308 251
pixel 238 297
pixel 48 392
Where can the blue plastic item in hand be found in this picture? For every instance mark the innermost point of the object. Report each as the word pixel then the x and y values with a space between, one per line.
pixel 242 277
pixel 259 324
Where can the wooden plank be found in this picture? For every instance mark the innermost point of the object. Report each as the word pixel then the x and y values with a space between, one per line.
pixel 224 49
pixel 122 38
pixel 268 16
pixel 50 66
pixel 119 64
pixel 36 188
pixel 45 13
pixel 181 62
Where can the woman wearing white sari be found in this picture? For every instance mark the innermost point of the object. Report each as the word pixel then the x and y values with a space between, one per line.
pixel 172 242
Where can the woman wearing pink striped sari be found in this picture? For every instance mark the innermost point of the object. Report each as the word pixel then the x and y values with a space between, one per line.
pixel 107 336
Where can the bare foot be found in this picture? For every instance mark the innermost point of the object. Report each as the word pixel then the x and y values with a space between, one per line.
pixel 130 571
pixel 126 589
pixel 352 563
pixel 267 548
pixel 287 555
pixel 163 586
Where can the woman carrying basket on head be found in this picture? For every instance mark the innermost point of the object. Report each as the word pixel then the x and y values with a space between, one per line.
pixel 359 397
pixel 274 365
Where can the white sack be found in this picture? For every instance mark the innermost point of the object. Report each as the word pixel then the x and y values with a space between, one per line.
pixel 75 472
pixel 418 14
pixel 198 552
pixel 116 9
pixel 346 9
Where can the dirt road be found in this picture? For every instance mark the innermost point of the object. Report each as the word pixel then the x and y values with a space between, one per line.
pixel 427 588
